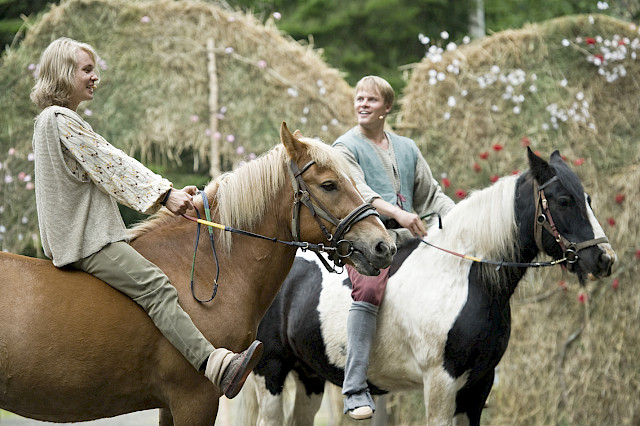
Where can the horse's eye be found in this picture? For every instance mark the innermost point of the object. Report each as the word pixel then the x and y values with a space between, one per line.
pixel 564 202
pixel 329 186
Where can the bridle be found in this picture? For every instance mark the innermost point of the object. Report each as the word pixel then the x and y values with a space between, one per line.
pixel 340 248
pixel 543 220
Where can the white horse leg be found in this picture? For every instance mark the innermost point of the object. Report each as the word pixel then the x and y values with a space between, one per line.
pixel 439 397
pixel 305 406
pixel 269 407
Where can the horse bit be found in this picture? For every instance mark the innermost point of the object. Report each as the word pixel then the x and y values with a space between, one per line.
pixel 339 248
pixel 544 220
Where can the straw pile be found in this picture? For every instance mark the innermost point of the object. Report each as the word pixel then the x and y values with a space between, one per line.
pixel 161 61
pixel 571 84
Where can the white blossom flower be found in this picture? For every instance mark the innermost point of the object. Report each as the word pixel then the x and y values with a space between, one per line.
pixel 292 92
pixel 565 42
pixel 466 40
pixel 444 35
pixel 277 16
pixel 451 101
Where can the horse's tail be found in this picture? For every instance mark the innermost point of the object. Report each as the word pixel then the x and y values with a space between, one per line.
pixel 247 406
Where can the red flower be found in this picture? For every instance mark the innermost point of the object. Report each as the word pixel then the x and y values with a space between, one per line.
pixel 461 194
pixel 564 158
pixel 621 43
pixel 494 178
pixel 497 147
pixel 515 172
pixel 590 40
pixel 484 155
pixel 477 168
pixel 525 141
pixel 446 182
pixel 582 297
pixel 599 56
pixel 612 221
pixel 578 161
pixel 537 153
pixel 562 285
pixel 615 284
pixel 638 254
pixel 620 198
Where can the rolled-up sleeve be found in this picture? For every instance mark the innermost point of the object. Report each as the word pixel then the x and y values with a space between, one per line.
pixel 89 156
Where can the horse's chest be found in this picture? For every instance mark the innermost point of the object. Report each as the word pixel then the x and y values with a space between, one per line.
pixel 478 338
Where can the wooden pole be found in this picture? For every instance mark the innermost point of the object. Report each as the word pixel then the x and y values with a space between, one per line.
pixel 214 152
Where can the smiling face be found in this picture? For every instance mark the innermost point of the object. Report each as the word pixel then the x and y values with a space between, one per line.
pixel 85 79
pixel 369 106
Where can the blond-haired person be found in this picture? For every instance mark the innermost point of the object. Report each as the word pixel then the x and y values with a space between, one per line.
pixel 392 175
pixel 80 178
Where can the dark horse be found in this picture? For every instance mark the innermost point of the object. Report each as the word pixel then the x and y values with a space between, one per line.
pixel 445 320
pixel 72 348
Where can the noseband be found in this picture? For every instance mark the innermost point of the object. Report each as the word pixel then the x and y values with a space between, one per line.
pixel 303 196
pixel 544 220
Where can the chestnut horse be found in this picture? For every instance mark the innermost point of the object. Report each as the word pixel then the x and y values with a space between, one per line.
pixel 74 349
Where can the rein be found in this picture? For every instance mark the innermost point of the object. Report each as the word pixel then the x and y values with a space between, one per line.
pixel 338 248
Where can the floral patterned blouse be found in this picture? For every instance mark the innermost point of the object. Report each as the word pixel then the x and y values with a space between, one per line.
pixel 90 157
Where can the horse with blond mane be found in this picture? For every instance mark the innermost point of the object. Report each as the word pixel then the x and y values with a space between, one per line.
pixel 74 349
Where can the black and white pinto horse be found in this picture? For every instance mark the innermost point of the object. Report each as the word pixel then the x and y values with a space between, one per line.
pixel 445 321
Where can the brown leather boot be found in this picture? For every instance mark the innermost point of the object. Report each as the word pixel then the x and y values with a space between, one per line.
pixel 241 365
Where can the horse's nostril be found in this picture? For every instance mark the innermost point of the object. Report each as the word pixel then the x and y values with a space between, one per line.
pixel 384 249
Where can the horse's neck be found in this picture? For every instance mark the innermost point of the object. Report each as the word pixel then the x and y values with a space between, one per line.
pixel 252 271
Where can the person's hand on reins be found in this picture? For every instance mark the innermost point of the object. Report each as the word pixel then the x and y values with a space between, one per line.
pixel 180 200
pixel 412 222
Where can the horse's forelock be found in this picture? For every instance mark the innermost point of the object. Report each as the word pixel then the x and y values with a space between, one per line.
pixel 570 182
pixel 325 156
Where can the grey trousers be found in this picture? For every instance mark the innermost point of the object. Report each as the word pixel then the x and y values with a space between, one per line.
pixel 123 268
pixel 361 330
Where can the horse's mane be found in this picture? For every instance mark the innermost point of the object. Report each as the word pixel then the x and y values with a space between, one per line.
pixel 484 225
pixel 242 196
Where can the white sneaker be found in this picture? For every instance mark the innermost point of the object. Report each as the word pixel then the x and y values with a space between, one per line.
pixel 361 413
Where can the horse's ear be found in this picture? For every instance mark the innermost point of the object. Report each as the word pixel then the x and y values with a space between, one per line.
pixel 540 169
pixel 556 158
pixel 297 133
pixel 290 142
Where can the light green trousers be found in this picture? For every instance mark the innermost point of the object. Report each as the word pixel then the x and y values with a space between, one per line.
pixel 123 268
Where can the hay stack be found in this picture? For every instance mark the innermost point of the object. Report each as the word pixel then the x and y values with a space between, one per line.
pixel 571 84
pixel 154 99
